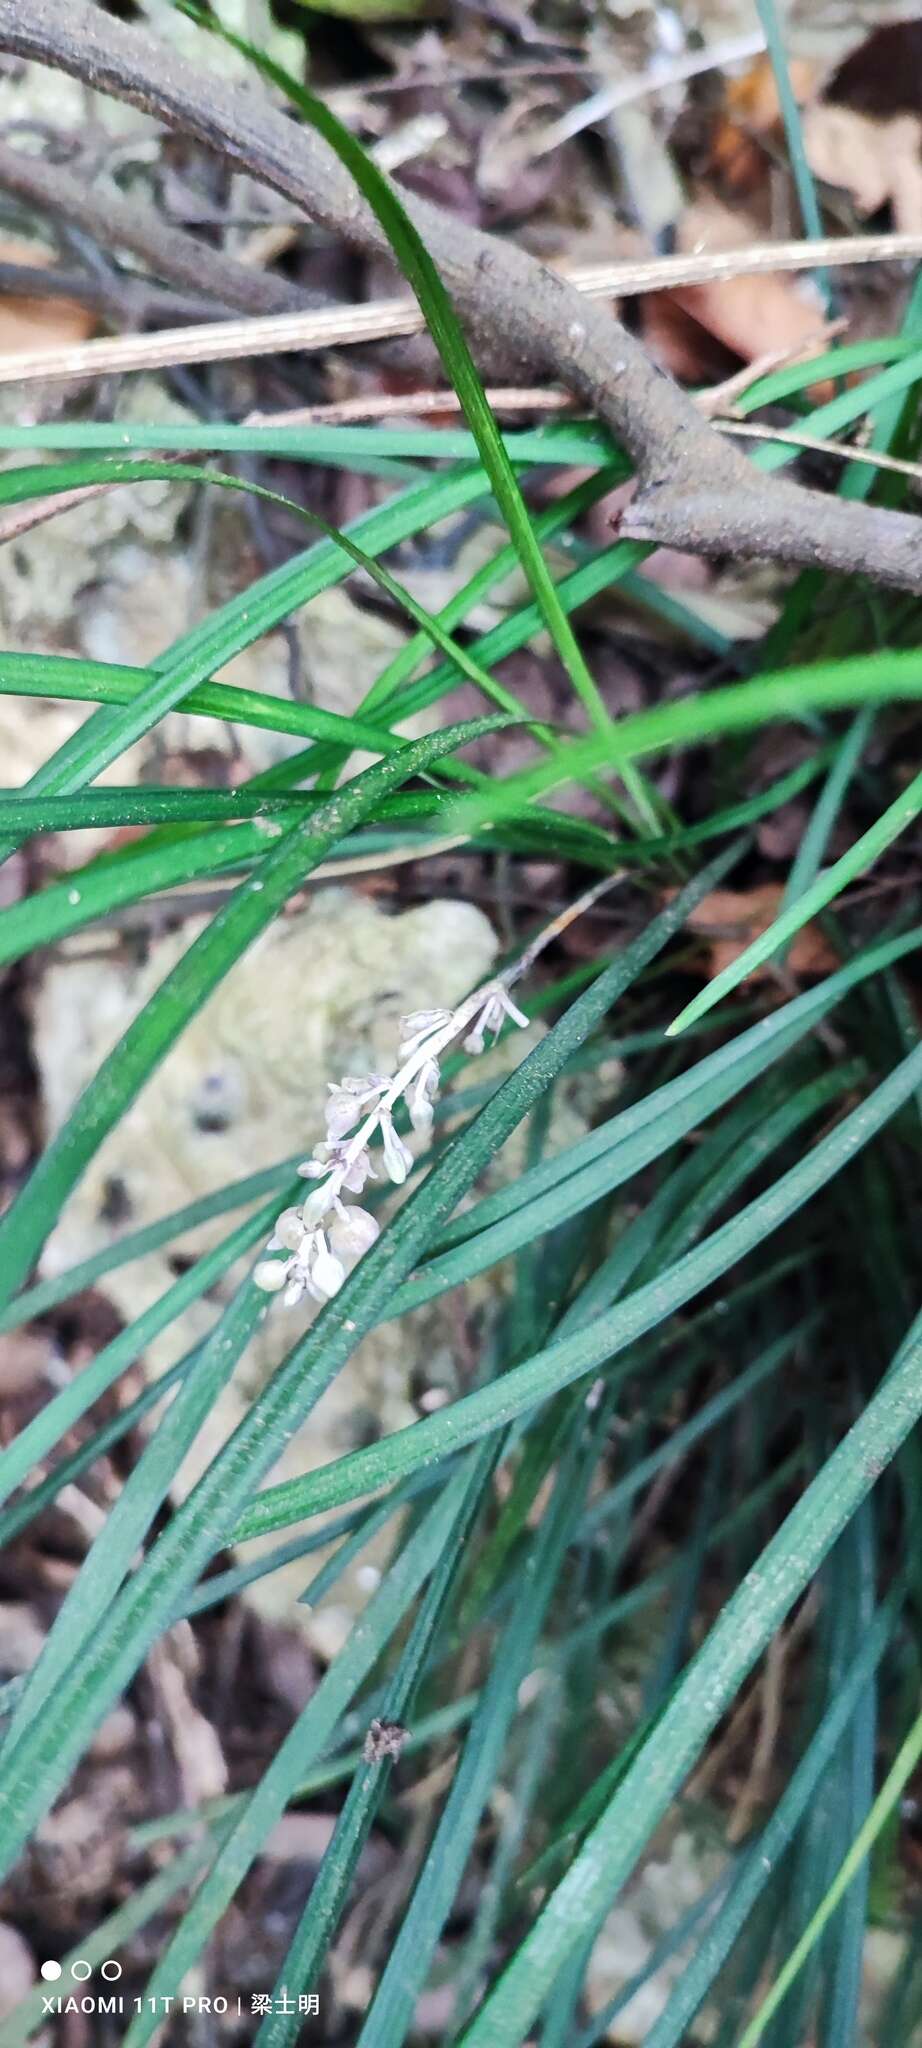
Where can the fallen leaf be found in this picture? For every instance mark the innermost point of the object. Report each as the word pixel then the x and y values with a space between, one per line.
pixel 749 119
pixel 878 162
pixel 748 315
pixel 731 918
pixel 39 323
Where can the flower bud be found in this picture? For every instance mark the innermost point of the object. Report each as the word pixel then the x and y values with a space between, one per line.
pixel 317 1206
pixel 271 1275
pixel 397 1156
pixel 342 1113
pixel 327 1274
pixel 289 1229
pixel 419 1097
pixel 353 1232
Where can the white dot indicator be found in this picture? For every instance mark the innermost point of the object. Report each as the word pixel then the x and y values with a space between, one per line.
pixel 50 1971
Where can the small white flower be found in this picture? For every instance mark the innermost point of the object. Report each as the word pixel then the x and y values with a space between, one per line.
pixel 318 1164
pixel 353 1231
pixel 327 1272
pixel 423 1021
pixel 271 1275
pixel 397 1156
pixel 357 1172
pixel 289 1229
pixel 419 1025
pixel 499 1004
pixel 420 1094
pixel 318 1205
pixel 342 1112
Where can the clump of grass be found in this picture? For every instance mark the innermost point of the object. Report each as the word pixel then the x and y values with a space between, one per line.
pixel 745 1330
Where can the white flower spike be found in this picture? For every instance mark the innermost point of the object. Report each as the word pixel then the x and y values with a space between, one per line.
pixel 326 1237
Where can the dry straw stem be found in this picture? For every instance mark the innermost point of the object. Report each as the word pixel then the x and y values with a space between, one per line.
pixel 305 332
pixel 696 490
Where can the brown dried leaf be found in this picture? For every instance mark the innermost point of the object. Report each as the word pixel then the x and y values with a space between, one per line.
pixel 878 162
pixel 751 117
pixel 748 315
pixel 732 918
pixel 37 323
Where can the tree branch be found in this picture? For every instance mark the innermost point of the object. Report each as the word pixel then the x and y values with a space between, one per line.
pixel 696 492
pixel 169 253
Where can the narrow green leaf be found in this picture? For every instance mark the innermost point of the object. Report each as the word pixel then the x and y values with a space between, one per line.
pixel 743 1630
pixel 897 1777
pixel 203 1523
pixel 370 1634
pixel 571 1358
pixel 330 1889
pixel 901 813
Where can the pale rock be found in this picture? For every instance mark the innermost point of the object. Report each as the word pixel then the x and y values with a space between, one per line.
pixel 45 571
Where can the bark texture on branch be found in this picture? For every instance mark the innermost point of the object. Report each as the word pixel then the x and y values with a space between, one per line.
pixel 696 491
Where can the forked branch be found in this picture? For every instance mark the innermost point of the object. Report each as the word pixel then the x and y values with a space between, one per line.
pixel 695 491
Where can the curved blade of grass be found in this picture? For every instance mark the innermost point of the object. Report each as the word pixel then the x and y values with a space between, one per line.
pixel 558 443
pixel 156 698
pixel 390 2015
pixel 245 618
pixel 743 1630
pixel 570 1358
pixel 39 1437
pixel 108 808
pixel 562 442
pixel 72 759
pixel 104 682
pixel 741 707
pixel 897 1777
pixel 895 819
pixel 369 1635
pixel 760 1861
pixel 446 331
pixel 202 1524
pixel 331 1886
pixel 251 908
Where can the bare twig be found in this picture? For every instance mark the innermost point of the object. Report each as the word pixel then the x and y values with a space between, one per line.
pixel 180 258
pixel 723 396
pixel 120 295
pixel 696 491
